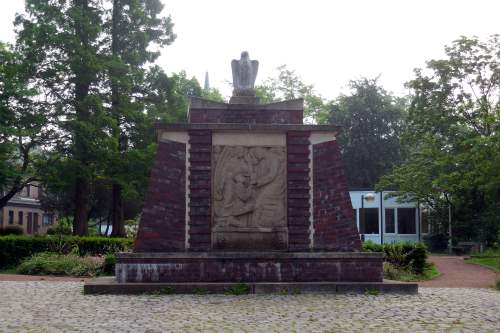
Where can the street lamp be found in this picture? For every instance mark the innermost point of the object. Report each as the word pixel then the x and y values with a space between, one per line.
pixel 369 197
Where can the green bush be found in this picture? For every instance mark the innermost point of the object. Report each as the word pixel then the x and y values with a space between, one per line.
pixel 46 263
pixel 109 264
pixel 393 272
pixel 63 227
pixel 11 230
pixel 13 249
pixel 406 256
pixel 436 242
pixel 370 246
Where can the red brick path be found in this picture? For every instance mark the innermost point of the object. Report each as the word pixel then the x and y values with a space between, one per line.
pixel 456 273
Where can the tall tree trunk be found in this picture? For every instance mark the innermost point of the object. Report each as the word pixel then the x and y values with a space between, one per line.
pixel 81 145
pixel 117 212
pixel 80 220
pixel 117 202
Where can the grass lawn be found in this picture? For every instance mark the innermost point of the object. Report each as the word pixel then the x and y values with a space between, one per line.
pixel 490 259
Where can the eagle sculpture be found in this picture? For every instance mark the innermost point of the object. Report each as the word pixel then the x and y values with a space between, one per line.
pixel 244 75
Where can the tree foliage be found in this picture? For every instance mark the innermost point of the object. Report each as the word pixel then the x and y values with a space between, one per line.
pixel 453 136
pixel 90 59
pixel 288 85
pixel 371 120
pixel 24 124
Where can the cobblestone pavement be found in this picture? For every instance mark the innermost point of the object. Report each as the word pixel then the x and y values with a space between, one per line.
pixel 61 307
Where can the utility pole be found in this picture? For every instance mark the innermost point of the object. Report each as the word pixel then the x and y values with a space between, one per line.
pixel 450 244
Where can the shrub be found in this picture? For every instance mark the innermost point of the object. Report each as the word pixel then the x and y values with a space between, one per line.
pixel 409 256
pixel 393 272
pixel 11 230
pixel 436 242
pixel 13 249
pixel 63 227
pixel 46 263
pixel 370 246
pixel 109 264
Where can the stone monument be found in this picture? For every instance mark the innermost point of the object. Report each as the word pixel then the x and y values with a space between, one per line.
pixel 246 193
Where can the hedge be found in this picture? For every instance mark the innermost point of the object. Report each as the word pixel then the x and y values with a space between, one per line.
pixel 15 248
pixel 11 230
pixel 403 255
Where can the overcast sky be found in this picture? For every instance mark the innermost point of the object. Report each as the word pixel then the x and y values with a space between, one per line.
pixel 327 43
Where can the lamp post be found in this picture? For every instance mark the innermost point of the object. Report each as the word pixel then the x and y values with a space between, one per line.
pixel 369 197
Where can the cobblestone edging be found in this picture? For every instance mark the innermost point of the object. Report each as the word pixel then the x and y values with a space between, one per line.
pixel 61 307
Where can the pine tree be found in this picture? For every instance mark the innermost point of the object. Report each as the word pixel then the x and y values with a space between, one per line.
pixel 133 28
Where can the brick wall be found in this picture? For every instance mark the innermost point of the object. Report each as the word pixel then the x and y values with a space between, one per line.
pixel 200 159
pixel 362 267
pixel 298 190
pixel 162 226
pixel 252 116
pixel 334 225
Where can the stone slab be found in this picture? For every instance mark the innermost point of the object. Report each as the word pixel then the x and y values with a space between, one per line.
pixel 205 104
pixel 235 239
pixel 253 127
pixel 249 267
pixel 108 285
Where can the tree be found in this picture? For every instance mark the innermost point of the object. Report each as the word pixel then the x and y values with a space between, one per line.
pixel 212 94
pixel 371 121
pixel 288 85
pixel 24 121
pixel 453 136
pixel 63 41
pixel 133 28
pixel 91 59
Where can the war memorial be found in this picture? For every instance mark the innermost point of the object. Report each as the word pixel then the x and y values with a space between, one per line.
pixel 245 193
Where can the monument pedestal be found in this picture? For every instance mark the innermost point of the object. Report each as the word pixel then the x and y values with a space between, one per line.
pixel 247 193
pixel 249 267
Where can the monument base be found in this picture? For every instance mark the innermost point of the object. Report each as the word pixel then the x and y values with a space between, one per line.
pixel 249 267
pixel 244 100
pixel 108 285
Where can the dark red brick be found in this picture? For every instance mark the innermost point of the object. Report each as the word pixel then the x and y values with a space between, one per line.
pixel 162 225
pixel 334 225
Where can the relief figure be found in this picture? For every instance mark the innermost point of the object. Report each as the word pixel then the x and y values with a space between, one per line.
pixel 249 187
pixel 232 195
pixel 269 180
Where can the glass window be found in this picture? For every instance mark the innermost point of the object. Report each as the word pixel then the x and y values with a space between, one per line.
pixel 35 222
pixel 368 220
pixel 406 221
pixel 45 219
pixel 11 217
pixel 390 225
pixel 20 218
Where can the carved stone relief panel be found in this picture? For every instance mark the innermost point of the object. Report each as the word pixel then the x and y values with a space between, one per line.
pixel 249 186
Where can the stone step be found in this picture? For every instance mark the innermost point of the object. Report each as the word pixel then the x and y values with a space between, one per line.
pixel 108 285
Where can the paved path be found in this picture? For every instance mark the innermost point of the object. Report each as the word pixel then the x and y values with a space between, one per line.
pixel 456 273
pixel 61 307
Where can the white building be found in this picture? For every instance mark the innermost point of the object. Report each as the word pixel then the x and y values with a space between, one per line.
pixel 386 220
